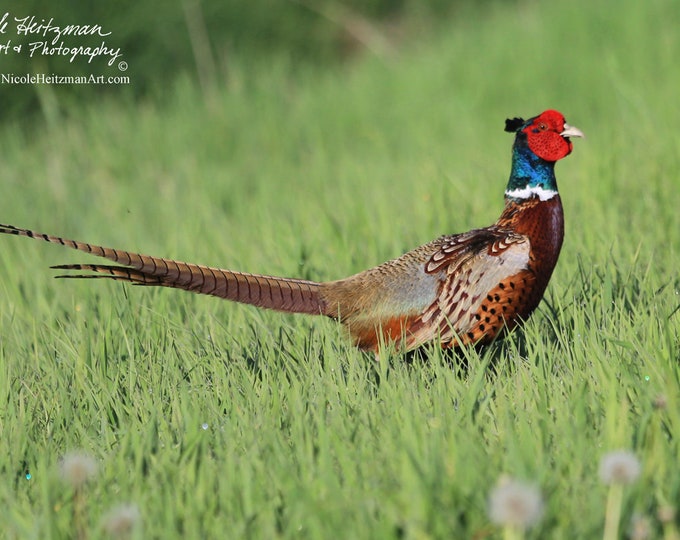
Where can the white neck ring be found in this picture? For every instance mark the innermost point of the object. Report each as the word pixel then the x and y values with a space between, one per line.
pixel 531 191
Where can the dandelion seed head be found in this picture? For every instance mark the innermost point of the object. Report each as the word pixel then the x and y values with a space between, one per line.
pixel 121 520
pixel 619 467
pixel 660 402
pixel 76 468
pixel 666 513
pixel 514 503
pixel 640 528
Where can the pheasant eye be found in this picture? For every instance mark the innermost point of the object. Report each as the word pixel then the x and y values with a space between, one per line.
pixel 542 126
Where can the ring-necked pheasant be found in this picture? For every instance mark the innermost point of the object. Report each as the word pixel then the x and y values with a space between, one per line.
pixel 458 289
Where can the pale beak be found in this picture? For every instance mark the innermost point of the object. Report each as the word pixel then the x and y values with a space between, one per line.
pixel 571 131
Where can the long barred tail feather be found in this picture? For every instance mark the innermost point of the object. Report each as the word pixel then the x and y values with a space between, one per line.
pixel 282 294
pixel 115 273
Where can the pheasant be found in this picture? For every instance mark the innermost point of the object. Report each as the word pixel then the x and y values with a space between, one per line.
pixel 459 289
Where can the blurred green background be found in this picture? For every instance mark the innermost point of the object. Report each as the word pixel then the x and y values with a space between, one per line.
pixel 201 39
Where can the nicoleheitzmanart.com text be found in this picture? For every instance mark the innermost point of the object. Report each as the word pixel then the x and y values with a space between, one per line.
pixel 41 78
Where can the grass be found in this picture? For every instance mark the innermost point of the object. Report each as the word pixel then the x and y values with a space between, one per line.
pixel 220 421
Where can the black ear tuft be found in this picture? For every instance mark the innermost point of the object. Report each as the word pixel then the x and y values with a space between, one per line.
pixel 512 125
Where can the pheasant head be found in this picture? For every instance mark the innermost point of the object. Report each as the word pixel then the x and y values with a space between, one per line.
pixel 539 143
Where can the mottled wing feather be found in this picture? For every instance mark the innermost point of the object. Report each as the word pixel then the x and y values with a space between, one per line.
pixel 473 265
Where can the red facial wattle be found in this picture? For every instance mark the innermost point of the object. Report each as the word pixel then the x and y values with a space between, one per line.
pixel 544 136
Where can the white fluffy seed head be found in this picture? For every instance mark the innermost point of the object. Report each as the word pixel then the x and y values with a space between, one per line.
pixel 516 504
pixel 640 528
pixel 76 468
pixel 121 520
pixel 619 467
pixel 666 514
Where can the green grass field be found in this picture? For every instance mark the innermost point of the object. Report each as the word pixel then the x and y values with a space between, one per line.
pixel 222 421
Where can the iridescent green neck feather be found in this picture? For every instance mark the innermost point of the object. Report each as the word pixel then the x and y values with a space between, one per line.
pixel 530 175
